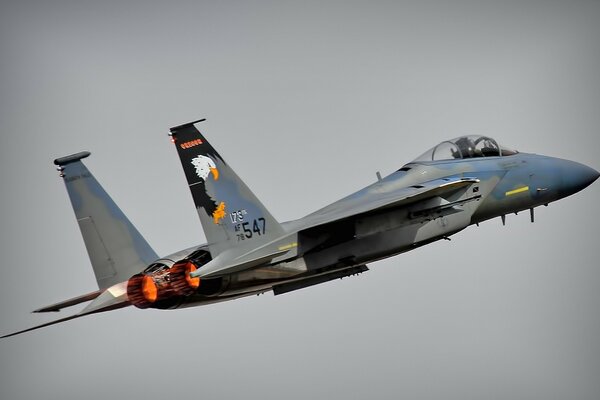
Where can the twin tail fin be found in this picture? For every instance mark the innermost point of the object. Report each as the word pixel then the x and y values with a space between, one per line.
pixel 115 247
pixel 231 215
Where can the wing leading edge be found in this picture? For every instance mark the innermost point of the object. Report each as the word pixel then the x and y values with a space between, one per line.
pixel 378 197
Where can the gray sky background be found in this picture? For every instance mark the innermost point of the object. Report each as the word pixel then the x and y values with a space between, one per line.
pixel 306 100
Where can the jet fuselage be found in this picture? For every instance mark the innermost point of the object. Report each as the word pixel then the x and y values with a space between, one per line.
pixel 506 185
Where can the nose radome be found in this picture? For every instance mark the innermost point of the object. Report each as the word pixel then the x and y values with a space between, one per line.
pixel 576 176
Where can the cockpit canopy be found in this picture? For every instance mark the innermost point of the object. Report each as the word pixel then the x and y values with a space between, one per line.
pixel 471 146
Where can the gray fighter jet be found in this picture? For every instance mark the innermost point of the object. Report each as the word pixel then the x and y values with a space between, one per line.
pixel 457 183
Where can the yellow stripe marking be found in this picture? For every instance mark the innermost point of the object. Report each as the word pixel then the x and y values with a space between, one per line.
pixel 519 190
pixel 288 246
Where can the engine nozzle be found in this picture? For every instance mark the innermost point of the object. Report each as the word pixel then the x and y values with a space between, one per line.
pixel 161 282
pixel 181 281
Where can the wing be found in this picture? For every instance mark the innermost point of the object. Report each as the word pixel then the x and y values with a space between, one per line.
pixel 427 197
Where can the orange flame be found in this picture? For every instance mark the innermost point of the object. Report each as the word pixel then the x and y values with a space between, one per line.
pixel 192 282
pixel 149 289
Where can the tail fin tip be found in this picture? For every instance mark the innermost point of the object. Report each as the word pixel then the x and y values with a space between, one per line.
pixel 61 161
pixel 186 124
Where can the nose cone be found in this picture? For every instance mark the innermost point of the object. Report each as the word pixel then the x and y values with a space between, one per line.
pixel 576 176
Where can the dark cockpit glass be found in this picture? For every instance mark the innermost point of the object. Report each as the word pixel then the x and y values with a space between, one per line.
pixel 472 146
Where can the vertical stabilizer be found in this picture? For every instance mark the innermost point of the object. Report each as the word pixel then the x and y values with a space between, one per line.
pixel 115 247
pixel 231 215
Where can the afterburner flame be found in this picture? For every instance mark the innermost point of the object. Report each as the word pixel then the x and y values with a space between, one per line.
pixel 192 282
pixel 149 289
pixel 181 281
pixel 159 282
pixel 135 293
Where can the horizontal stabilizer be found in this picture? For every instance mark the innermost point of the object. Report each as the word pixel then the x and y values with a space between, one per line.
pixel 43 325
pixel 82 314
pixel 68 303
pixel 110 299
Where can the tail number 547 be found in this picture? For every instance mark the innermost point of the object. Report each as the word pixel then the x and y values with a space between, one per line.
pixel 256 227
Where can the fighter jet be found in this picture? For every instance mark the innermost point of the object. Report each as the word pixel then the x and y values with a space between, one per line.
pixel 455 184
